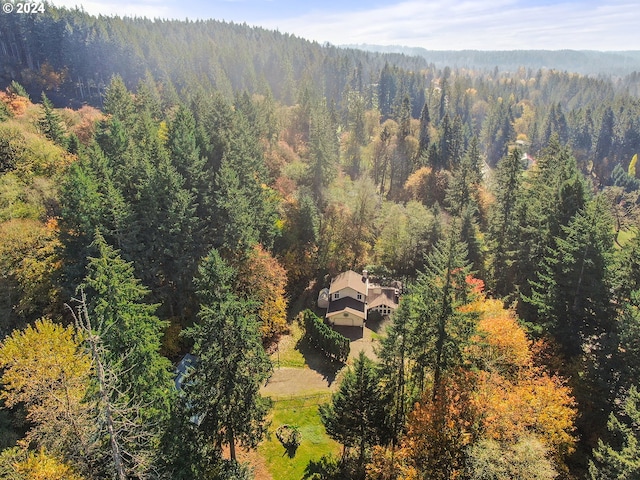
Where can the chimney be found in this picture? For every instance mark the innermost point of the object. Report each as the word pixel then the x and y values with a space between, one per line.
pixel 365 274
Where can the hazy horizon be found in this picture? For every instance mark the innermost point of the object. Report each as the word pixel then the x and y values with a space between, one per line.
pixel 435 25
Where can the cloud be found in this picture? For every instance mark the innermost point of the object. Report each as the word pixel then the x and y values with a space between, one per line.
pixel 432 24
pixel 472 24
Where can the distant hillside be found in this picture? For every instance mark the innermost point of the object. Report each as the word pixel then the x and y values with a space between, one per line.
pixel 72 55
pixel 585 62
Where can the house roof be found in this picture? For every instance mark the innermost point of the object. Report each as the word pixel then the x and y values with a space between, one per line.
pixel 346 304
pixel 387 296
pixel 349 279
pixel 185 366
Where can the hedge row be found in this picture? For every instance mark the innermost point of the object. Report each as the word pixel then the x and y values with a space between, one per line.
pixel 332 344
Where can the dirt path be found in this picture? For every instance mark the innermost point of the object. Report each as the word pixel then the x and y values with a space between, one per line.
pixel 317 376
pixel 287 381
pixel 253 458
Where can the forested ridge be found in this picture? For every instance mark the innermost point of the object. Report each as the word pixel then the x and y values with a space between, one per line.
pixel 154 204
pixel 586 62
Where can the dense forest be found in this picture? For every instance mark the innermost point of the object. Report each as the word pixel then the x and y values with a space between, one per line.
pixel 586 62
pixel 173 187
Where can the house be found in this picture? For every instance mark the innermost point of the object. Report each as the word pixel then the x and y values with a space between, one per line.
pixel 351 296
pixel 183 369
pixel 182 372
pixel 348 299
pixel 383 300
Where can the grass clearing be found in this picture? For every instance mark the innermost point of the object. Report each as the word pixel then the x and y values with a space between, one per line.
pixel 302 412
pixel 287 355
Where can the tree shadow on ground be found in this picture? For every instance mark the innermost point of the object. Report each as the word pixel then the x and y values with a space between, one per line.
pixel 318 362
pixel 290 451
pixel 352 333
pixel 377 323
pixel 327 467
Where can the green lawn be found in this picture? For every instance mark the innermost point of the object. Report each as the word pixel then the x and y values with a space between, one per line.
pixel 288 355
pixel 303 412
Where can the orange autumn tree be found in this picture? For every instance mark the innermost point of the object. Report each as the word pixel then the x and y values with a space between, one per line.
pixel 514 396
pixel 496 404
pixel 262 278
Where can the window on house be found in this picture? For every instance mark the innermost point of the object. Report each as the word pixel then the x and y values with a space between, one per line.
pixel 336 295
pixel 359 296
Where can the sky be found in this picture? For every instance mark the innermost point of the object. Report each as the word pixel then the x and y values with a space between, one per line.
pixel 605 25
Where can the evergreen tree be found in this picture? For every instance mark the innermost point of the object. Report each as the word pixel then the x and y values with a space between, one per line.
pixel 130 331
pixel 401 164
pixel 245 207
pixel 161 241
pixel 424 136
pixel 50 122
pixel 387 89
pixel 437 328
pixel 603 148
pixel 118 102
pixel 135 383
pixel 503 223
pixel 463 188
pixel 394 356
pixel 232 364
pixel 323 151
pixel 572 292
pixel 620 457
pixel 185 155
pixel 553 192
pixel 356 416
pixel 628 332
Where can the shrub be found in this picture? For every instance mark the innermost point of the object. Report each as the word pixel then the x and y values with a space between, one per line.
pixel 289 436
pixel 331 343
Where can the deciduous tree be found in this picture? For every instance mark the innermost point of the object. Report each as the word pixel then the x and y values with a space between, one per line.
pixel 46 369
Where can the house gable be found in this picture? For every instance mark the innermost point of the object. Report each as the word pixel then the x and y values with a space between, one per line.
pixel 349 280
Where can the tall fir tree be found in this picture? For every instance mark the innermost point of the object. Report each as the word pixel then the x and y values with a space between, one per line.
pixel 620 457
pixel 50 122
pixel 323 151
pixel 437 328
pixel 553 192
pixel 572 291
pixel 130 329
pixel 356 416
pixel 134 378
pixel 231 366
pixel 424 136
pixel 245 207
pixel 503 222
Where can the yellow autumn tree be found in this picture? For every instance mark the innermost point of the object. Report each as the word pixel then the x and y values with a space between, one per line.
pixel 633 171
pixel 22 464
pixel 29 263
pixel 498 403
pixel 262 278
pixel 514 396
pixel 45 369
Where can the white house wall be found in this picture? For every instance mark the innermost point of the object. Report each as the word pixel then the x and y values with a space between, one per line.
pixel 349 292
pixel 346 319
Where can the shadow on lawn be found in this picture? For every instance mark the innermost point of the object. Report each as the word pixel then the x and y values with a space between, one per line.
pixel 290 451
pixel 377 323
pixel 318 362
pixel 327 467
